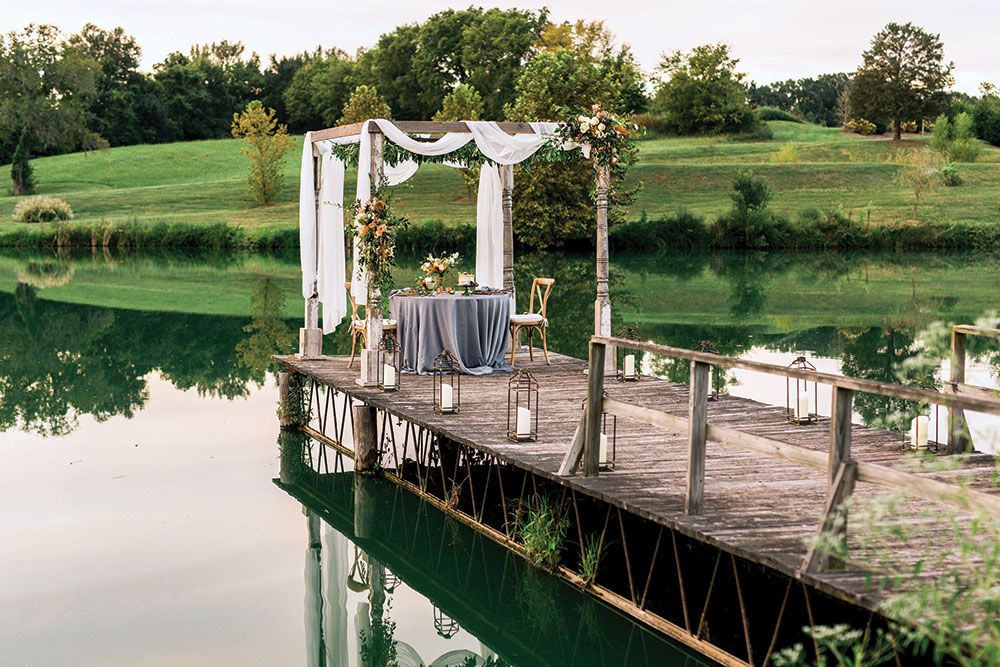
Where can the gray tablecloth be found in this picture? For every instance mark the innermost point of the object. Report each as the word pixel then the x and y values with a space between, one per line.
pixel 473 328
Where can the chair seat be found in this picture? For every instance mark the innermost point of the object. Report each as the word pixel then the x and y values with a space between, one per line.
pixel 386 324
pixel 528 318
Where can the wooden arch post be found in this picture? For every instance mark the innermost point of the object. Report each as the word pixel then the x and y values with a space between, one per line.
pixel 602 306
pixel 310 335
pixel 507 178
pixel 373 309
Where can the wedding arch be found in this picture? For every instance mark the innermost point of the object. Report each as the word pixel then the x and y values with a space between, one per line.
pixel 325 156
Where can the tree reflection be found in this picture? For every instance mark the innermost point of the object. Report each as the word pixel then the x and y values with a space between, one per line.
pixel 269 333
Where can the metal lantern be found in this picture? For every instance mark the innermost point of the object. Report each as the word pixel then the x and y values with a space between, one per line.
pixel 388 367
pixel 447 384
pixel 445 625
pixel 716 374
pixel 608 444
pixel 918 436
pixel 797 395
pixel 627 361
pixel 522 407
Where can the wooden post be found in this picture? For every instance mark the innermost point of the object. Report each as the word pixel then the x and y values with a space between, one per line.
pixel 833 523
pixel 367 519
pixel 958 429
pixel 288 413
pixel 694 499
pixel 602 306
pixel 291 445
pixel 310 335
pixel 595 408
pixel 507 178
pixel 841 409
pixel 365 438
pixel 373 310
pixel 572 457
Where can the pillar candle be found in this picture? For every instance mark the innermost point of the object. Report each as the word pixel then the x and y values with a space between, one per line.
pixel 918 431
pixel 523 429
pixel 603 451
pixel 629 365
pixel 388 376
pixel 802 406
pixel 447 403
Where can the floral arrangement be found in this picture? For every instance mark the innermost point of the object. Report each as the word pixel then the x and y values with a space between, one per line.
pixel 436 268
pixel 611 138
pixel 375 227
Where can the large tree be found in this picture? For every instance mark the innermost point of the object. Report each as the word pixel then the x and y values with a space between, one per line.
pixel 902 76
pixel 45 88
pixel 319 90
pixel 702 92
pixel 816 100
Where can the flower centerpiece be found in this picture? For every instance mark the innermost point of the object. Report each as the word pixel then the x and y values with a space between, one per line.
pixel 435 269
pixel 610 137
pixel 375 226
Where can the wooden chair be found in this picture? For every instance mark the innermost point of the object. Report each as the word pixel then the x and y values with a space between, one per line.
pixel 358 325
pixel 533 320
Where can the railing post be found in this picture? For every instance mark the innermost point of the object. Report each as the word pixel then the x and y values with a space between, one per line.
pixel 694 499
pixel 958 430
pixel 841 409
pixel 595 408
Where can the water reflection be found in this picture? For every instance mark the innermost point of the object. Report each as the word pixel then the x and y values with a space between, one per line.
pixel 390 580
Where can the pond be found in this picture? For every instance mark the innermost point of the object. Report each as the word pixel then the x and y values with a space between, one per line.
pixel 139 440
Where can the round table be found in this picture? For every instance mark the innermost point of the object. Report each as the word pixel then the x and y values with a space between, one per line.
pixel 474 329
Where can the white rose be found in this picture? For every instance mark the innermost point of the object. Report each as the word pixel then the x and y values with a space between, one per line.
pixel 584 127
pixel 582 118
pixel 601 127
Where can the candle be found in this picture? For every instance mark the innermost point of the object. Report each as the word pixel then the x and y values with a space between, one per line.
pixel 710 381
pixel 523 429
pixel 918 432
pixel 603 451
pixel 802 407
pixel 630 366
pixel 447 402
pixel 388 376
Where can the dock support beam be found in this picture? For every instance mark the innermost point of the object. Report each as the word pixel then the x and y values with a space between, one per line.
pixel 958 429
pixel 694 499
pixel 365 438
pixel 595 408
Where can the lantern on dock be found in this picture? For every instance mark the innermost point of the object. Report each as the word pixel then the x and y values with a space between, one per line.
pixel 797 391
pixel 626 358
pixel 925 422
pixel 608 443
pixel 716 374
pixel 522 407
pixel 388 367
pixel 447 384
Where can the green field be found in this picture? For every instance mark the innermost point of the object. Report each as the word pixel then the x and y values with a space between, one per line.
pixel 204 181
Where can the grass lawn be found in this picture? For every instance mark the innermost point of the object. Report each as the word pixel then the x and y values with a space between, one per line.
pixel 205 181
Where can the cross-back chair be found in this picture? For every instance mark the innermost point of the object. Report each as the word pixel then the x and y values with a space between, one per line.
pixel 358 325
pixel 534 320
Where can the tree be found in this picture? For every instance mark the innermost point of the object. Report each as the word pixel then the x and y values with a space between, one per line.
pixel 816 100
pixel 365 103
pixel 901 77
pixel 956 139
pixel 986 114
pixel 921 173
pixel 320 90
pixel 463 103
pixel 267 143
pixel 703 92
pixel 45 89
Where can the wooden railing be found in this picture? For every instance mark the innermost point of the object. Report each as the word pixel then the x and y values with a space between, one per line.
pixel 959 438
pixel 842 470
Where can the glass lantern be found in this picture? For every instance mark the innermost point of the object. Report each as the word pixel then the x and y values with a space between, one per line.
pixel 522 407
pixel 609 439
pixel 924 428
pixel 389 363
pixel 447 384
pixel 627 361
pixel 797 393
pixel 716 374
pixel 445 625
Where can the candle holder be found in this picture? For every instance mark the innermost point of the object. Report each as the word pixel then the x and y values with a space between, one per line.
pixel 716 373
pixel 626 359
pixel 917 438
pixel 797 395
pixel 608 443
pixel 388 368
pixel 447 384
pixel 522 407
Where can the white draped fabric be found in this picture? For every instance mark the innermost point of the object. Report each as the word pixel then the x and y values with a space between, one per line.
pixel 327 251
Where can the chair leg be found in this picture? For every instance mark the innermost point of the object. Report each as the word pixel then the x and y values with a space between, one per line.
pixel 514 331
pixel 354 343
pixel 545 348
pixel 531 337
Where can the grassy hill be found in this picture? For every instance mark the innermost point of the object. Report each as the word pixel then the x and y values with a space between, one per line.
pixel 204 181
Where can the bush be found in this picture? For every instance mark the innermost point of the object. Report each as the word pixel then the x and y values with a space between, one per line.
pixel 956 139
pixel 788 153
pixel 42 209
pixel 750 224
pixel 434 237
pixel 759 132
pixel 830 229
pixel 652 123
pixel 683 229
pixel 770 113
pixel 950 176
pixel 861 126
pixel 909 126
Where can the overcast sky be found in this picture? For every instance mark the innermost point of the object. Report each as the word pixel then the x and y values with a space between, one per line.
pixel 773 40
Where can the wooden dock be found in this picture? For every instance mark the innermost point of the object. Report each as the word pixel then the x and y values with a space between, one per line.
pixel 762 509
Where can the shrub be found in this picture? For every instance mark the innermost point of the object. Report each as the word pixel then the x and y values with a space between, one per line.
pixel 830 229
pixel 950 176
pixel 758 132
pixel 956 139
pixel 788 153
pixel 909 126
pixel 42 209
pixel 652 123
pixel 750 224
pixel 861 126
pixel 770 113
pixel 683 229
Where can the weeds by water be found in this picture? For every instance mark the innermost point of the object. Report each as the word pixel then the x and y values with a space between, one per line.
pixel 593 547
pixel 541 528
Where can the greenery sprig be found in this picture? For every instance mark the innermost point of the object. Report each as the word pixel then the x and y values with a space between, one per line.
pixel 375 225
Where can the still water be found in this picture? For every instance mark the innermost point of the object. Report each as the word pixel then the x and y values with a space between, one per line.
pixel 139 524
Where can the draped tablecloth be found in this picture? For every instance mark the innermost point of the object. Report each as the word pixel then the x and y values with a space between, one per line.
pixel 473 328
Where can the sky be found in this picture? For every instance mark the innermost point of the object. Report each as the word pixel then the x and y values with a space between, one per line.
pixel 773 40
